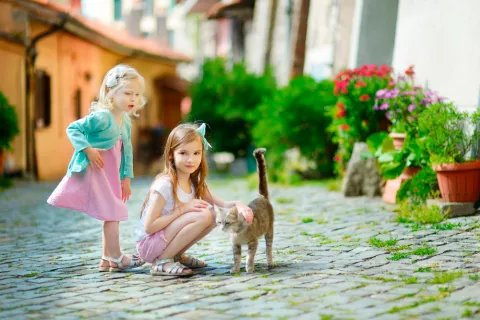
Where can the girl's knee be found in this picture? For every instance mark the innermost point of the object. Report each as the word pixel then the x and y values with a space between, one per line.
pixel 207 216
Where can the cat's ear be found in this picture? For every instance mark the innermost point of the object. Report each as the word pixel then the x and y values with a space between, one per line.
pixel 233 212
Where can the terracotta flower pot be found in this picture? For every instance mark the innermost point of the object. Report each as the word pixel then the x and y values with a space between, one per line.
pixel 459 182
pixel 392 186
pixel 398 139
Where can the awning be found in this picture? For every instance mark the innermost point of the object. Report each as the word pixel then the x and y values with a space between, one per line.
pixel 242 9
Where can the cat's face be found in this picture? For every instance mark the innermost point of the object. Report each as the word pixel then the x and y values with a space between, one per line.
pixel 228 219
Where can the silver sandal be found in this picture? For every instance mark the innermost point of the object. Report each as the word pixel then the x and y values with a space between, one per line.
pixel 173 269
pixel 135 262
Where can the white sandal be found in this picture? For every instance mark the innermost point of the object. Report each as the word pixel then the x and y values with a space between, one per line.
pixel 105 269
pixel 173 269
pixel 135 262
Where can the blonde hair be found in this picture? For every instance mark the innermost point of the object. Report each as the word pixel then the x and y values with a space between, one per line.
pixel 115 79
pixel 183 134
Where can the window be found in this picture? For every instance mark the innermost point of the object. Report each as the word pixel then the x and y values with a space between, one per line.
pixel 117 10
pixel 78 103
pixel 148 8
pixel 43 103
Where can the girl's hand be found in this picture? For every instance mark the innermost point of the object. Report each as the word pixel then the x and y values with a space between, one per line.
pixel 244 210
pixel 126 190
pixel 194 205
pixel 94 157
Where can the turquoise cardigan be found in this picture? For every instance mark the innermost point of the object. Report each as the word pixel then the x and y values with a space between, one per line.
pixel 100 130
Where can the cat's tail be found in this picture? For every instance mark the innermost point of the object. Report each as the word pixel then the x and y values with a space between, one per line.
pixel 262 171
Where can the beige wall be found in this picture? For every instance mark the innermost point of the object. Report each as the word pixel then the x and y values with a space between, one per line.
pixel 12 85
pixel 442 40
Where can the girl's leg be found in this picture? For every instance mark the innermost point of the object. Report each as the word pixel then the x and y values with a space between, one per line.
pixel 105 253
pixel 112 242
pixel 200 236
pixel 183 232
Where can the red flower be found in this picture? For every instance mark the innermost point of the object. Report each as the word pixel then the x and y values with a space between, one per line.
pixel 341 86
pixel 337 158
pixel 340 114
pixel 364 97
pixel 360 84
pixel 344 127
pixel 409 72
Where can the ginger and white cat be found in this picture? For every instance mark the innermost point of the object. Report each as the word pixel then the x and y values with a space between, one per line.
pixel 241 232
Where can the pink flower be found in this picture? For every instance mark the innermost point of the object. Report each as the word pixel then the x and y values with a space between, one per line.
pixel 381 93
pixel 411 107
pixel 384 106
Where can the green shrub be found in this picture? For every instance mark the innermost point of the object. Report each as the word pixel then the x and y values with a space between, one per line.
pixel 9 123
pixel 226 100
pixel 419 188
pixel 298 116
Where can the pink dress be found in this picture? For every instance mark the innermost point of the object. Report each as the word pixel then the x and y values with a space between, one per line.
pixel 96 192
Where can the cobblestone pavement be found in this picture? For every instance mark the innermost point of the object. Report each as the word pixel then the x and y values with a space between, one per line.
pixel 336 258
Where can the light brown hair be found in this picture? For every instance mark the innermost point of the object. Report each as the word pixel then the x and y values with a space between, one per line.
pixel 182 134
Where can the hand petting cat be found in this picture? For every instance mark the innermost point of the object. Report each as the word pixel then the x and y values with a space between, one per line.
pixel 245 211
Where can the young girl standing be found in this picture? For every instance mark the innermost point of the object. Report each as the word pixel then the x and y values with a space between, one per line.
pixel 176 214
pixel 98 177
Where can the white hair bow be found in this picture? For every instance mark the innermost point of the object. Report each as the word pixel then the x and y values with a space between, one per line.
pixel 112 79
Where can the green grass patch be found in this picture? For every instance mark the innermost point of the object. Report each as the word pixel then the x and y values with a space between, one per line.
pixel 423 300
pixel 467 313
pixel 427 269
pixel 424 251
pixel 410 280
pixel 399 256
pixel 408 212
pixel 474 277
pixel 374 241
pixel 446 226
pixel 445 277
pixel 282 200
pixel 307 220
pixel 31 275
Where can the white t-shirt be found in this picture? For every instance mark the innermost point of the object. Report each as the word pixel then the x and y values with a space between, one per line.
pixel 165 188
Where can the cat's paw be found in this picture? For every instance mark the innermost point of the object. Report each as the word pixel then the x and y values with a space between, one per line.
pixel 234 270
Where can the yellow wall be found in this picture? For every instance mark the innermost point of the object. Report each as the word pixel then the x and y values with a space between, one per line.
pixel 68 59
pixel 12 85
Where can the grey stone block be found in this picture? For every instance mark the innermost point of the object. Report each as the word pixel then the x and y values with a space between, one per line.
pixel 454 209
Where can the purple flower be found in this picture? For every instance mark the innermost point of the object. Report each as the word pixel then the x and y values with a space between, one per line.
pixel 384 106
pixel 394 93
pixel 409 93
pixel 426 101
pixel 430 93
pixel 381 93
pixel 411 107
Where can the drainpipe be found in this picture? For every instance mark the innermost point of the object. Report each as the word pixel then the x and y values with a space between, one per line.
pixel 30 58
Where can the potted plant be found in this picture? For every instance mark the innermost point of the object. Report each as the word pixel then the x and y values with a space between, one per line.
pixel 449 135
pixel 403 101
pixel 8 128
